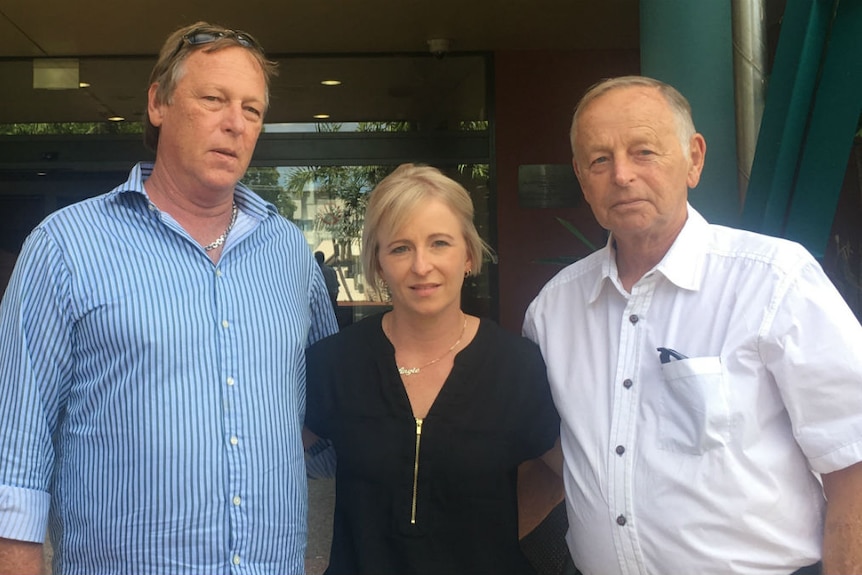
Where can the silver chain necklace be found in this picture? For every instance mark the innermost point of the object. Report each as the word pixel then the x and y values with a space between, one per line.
pixel 220 240
pixel 414 370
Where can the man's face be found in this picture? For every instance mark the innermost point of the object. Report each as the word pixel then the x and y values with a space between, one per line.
pixel 632 167
pixel 208 130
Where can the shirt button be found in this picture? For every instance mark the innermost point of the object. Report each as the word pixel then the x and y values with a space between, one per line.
pixel 218 273
pixel 621 520
pixel 230 381
pixel 234 440
pixel 152 207
pixel 620 450
pixel 236 500
pixel 236 559
pixel 633 318
pixel 627 383
pixel 224 323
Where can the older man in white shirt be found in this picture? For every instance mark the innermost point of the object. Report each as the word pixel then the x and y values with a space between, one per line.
pixel 708 379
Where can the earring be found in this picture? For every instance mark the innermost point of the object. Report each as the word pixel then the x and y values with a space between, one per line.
pixel 467 273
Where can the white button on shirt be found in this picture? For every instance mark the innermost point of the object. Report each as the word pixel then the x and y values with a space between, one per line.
pixel 692 466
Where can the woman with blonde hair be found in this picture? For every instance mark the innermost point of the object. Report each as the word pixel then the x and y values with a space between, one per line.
pixel 430 410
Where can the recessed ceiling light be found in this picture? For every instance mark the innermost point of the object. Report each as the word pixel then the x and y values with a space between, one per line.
pixel 331 82
pixel 115 118
pixel 83 84
pixel 321 116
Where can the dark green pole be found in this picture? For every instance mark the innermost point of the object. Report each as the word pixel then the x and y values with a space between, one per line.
pixel 688 44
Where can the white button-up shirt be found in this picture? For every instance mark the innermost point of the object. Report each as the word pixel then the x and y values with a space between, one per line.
pixel 701 464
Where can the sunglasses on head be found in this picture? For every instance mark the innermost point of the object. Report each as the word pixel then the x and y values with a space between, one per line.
pixel 200 37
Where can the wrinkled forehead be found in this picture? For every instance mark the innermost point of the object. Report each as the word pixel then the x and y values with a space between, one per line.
pixel 234 67
pixel 641 112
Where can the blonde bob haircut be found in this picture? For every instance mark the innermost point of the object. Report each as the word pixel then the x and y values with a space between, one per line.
pixel 397 198
pixel 679 106
pixel 170 66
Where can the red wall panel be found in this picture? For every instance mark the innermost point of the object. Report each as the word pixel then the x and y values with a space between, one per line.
pixel 536 92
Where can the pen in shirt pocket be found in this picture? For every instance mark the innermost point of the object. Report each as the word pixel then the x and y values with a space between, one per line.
pixel 666 354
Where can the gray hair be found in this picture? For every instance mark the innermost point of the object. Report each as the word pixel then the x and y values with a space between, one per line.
pixel 679 106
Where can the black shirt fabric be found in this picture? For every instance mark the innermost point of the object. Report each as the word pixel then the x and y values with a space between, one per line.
pixel 493 412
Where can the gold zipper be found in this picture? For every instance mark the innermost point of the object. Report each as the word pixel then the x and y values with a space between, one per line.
pixel 416 470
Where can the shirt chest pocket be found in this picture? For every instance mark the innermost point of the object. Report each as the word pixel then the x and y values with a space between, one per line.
pixel 695 406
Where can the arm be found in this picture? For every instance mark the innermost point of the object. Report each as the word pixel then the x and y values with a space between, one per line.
pixel 553 458
pixel 320 460
pixel 540 488
pixel 309 438
pixel 323 322
pixel 20 558
pixel 35 355
pixel 842 533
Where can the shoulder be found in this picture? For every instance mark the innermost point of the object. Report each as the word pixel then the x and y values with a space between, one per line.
pixel 283 227
pixel 576 280
pixel 355 339
pixel 84 221
pixel 504 345
pixel 262 210
pixel 586 267
pixel 780 255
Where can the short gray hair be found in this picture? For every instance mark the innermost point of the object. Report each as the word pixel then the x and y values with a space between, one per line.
pixel 679 106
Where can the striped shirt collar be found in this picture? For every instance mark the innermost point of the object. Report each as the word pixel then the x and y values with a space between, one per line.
pixel 248 201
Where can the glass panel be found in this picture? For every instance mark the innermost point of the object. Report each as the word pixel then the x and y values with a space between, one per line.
pixel 421 92
pixel 77 128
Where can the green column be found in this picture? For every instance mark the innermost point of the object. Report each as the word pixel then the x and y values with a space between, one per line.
pixel 688 44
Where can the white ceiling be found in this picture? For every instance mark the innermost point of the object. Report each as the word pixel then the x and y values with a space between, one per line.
pixel 117 41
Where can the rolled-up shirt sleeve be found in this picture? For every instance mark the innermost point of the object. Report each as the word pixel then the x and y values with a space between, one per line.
pixel 35 352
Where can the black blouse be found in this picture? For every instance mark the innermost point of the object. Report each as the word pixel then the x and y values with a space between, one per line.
pixel 449 506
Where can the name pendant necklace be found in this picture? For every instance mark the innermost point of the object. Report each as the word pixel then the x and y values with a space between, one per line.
pixel 414 370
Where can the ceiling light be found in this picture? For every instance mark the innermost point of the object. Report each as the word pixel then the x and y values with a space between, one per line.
pixel 115 118
pixel 55 73
pixel 439 47
pixel 83 84
pixel 331 82
pixel 321 116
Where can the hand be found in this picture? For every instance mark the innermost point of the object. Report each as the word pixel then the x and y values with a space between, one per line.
pixel 20 558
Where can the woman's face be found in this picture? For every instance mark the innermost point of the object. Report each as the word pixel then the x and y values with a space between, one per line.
pixel 424 261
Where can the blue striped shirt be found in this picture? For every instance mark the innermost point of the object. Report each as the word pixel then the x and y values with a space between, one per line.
pixel 152 400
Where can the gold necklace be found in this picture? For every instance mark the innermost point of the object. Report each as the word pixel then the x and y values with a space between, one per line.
pixel 414 370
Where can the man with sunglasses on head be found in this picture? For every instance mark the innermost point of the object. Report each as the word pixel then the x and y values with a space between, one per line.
pixel 152 349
